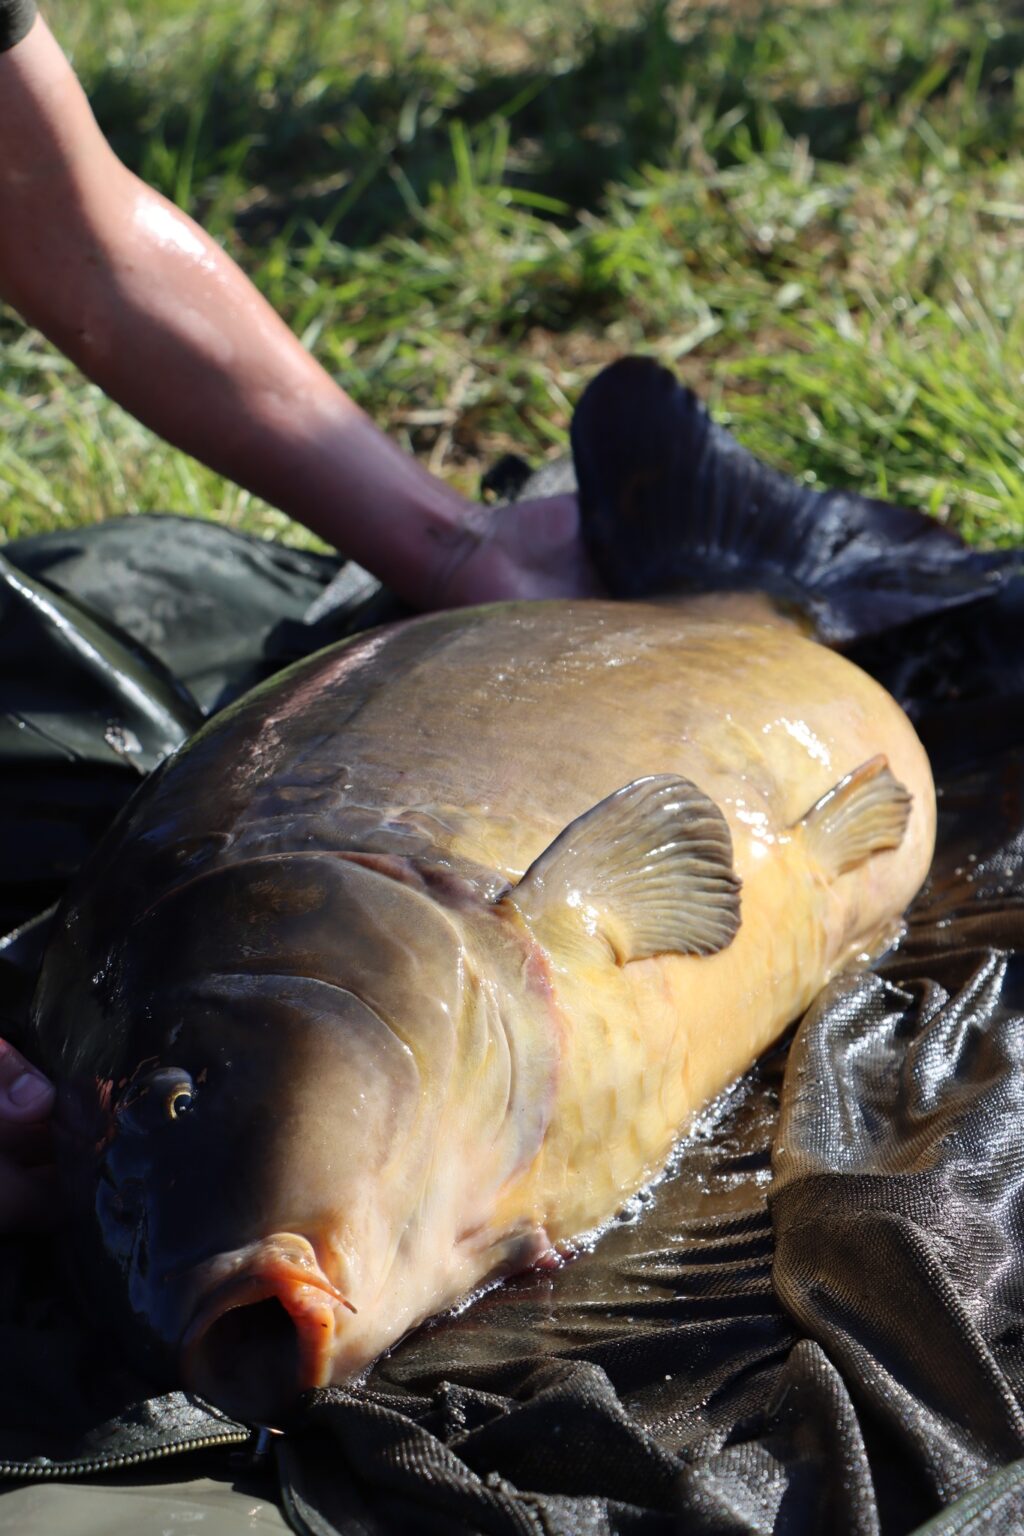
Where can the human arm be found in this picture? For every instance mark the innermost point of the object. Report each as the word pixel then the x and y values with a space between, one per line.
pixel 156 313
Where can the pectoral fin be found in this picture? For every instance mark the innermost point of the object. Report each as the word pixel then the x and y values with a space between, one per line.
pixel 649 870
pixel 864 813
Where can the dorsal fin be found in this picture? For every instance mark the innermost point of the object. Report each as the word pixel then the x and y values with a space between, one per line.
pixel 670 502
pixel 649 870
pixel 865 813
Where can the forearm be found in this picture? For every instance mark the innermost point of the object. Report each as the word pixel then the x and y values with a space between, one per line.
pixel 152 310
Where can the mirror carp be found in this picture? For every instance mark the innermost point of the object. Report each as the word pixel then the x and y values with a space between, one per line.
pixel 412 966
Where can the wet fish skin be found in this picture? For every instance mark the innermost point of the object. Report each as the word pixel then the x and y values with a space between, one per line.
pixel 395 1074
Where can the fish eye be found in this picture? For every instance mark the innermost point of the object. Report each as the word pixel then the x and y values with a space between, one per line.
pixel 179 1101
pixel 168 1093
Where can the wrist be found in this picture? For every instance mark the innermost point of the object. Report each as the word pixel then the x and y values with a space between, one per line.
pixel 455 531
pixel 358 490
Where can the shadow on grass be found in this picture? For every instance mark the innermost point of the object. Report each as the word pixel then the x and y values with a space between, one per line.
pixel 358 153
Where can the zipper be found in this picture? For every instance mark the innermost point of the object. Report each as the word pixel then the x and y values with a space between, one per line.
pixel 54 1471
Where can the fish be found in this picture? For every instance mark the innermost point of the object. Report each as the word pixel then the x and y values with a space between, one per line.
pixel 414 964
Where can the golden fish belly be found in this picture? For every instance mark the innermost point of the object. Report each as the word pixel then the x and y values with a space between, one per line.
pixel 647 1045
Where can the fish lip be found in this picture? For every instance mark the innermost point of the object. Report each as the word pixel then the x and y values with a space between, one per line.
pixel 313 1303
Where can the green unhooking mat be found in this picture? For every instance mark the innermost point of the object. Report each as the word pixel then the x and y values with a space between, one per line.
pixel 816 1323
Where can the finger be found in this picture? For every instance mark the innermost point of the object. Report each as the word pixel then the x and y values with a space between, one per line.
pixel 28 1199
pixel 25 1094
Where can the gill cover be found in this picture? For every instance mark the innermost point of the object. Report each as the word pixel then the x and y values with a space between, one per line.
pixel 295 1022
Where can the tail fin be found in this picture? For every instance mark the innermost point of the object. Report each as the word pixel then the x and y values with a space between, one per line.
pixel 671 502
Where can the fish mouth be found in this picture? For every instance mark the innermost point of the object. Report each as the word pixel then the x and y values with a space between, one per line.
pixel 266 1333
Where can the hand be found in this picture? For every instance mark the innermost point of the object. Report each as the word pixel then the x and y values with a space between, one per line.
pixel 27 1194
pixel 528 549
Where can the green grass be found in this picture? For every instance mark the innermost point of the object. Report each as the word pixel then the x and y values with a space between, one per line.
pixel 815 212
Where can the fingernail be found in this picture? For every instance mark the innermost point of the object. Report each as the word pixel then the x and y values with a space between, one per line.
pixel 28 1090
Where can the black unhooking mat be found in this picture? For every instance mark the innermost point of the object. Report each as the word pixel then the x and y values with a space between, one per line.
pixel 816 1322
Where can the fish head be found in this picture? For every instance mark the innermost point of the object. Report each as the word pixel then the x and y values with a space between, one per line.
pixel 249 1117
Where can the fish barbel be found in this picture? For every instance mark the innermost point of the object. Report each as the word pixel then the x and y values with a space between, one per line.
pixel 413 965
